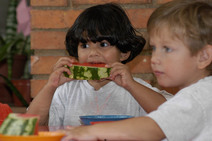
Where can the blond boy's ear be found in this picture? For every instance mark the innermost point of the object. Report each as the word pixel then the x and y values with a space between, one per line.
pixel 205 57
pixel 124 56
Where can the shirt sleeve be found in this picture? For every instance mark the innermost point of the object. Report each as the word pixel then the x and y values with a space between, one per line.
pixel 167 95
pixel 180 118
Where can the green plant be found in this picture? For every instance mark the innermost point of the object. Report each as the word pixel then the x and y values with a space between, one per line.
pixel 15 90
pixel 19 45
pixel 7 51
pixel 14 43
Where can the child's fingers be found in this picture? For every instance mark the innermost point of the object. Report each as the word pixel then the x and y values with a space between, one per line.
pixel 115 73
pixel 60 71
pixel 117 68
pixel 63 61
pixel 120 73
pixel 58 78
pixel 64 69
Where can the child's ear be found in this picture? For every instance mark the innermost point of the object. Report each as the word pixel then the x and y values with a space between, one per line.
pixel 124 56
pixel 205 57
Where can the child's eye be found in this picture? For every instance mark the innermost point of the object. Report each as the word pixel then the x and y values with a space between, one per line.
pixel 84 45
pixel 104 44
pixel 153 48
pixel 167 49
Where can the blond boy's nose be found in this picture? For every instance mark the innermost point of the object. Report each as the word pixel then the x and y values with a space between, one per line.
pixel 155 59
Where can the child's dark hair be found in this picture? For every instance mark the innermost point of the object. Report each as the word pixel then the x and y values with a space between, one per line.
pixel 104 22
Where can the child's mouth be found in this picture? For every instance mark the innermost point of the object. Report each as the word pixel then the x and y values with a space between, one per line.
pixel 96 62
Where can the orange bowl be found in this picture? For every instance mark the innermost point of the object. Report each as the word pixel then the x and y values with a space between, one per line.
pixel 42 136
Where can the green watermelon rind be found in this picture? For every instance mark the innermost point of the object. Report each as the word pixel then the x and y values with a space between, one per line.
pixel 18 125
pixel 87 72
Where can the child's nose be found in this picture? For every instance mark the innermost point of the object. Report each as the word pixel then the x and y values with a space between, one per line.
pixel 94 52
pixel 155 59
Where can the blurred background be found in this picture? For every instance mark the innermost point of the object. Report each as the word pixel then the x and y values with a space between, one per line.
pixel 3 12
pixel 15 52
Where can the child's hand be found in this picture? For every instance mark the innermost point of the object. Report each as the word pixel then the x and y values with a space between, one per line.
pixel 120 74
pixel 57 77
pixel 78 133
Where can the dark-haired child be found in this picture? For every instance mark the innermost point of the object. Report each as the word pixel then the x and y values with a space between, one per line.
pixel 101 34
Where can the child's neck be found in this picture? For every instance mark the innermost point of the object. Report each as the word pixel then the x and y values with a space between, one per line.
pixel 195 79
pixel 97 84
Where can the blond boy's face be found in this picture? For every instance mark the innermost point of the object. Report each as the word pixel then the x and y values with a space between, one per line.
pixel 172 62
pixel 99 52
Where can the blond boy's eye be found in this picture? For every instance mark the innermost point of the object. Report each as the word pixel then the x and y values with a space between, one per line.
pixel 167 49
pixel 153 48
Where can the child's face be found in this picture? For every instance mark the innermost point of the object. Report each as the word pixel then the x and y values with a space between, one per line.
pixel 99 52
pixel 172 62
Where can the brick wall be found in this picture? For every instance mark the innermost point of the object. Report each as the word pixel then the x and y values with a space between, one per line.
pixel 50 20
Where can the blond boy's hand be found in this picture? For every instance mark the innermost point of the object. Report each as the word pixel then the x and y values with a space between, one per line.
pixel 57 77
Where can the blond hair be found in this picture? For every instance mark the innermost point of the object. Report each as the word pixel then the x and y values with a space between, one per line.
pixel 186 20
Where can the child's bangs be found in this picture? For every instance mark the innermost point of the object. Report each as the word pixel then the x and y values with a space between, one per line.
pixel 159 29
pixel 87 36
pixel 96 35
pixel 97 29
pixel 175 30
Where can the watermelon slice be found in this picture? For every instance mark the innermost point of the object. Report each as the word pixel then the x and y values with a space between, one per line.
pixel 20 124
pixel 5 110
pixel 88 71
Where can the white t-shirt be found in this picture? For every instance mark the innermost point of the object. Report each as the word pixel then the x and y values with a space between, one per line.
pixel 188 115
pixel 77 98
